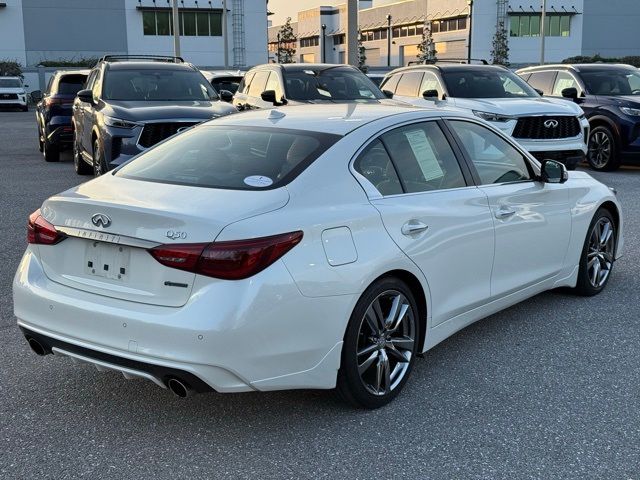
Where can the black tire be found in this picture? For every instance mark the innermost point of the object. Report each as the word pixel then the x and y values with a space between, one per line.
pixel 603 150
pixel 25 108
pixel 40 140
pixel 99 164
pixel 79 165
pixel 585 285
pixel 378 350
pixel 50 151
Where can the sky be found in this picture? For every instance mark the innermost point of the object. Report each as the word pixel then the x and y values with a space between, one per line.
pixel 290 8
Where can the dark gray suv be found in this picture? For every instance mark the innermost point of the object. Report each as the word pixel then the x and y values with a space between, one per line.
pixel 130 103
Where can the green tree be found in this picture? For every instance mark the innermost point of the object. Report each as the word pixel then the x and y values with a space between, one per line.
pixel 427 46
pixel 500 46
pixel 10 68
pixel 287 43
pixel 362 55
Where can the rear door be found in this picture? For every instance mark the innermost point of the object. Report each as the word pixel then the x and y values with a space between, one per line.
pixel 433 213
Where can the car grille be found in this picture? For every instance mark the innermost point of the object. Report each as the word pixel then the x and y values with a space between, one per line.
pixel 8 96
pixel 547 128
pixel 153 133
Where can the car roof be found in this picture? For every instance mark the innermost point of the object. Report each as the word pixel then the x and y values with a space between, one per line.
pixel 146 65
pixel 339 119
pixel 301 67
pixel 579 67
pixel 73 72
pixel 450 67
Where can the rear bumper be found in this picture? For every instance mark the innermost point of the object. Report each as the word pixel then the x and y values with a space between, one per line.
pixel 60 135
pixel 231 336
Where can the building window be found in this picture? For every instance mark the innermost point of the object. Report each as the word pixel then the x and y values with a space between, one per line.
pixel 339 39
pixel 309 42
pixel 201 24
pixel 528 25
pixel 449 25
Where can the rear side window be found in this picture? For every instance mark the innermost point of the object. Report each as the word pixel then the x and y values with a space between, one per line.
pixel 71 84
pixel 230 157
pixel 542 81
pixel 409 84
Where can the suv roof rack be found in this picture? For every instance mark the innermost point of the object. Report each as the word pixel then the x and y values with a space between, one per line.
pixel 481 61
pixel 151 58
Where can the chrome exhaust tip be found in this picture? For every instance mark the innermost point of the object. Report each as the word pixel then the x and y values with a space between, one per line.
pixel 178 388
pixel 37 347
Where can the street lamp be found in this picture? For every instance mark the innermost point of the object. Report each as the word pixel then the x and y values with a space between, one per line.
pixel 388 39
pixel 542 30
pixel 324 29
pixel 470 3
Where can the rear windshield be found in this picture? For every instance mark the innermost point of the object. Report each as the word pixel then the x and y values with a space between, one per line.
pixel 71 84
pixel 486 84
pixel 337 84
pixel 10 83
pixel 612 82
pixel 161 84
pixel 230 157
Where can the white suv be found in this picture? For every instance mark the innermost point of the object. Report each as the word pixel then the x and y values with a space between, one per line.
pixel 12 93
pixel 548 128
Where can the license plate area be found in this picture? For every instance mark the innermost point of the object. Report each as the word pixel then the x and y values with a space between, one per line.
pixel 107 260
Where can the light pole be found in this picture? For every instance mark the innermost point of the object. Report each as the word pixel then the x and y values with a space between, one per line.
pixel 543 17
pixel 324 29
pixel 470 3
pixel 225 34
pixel 388 39
pixel 176 29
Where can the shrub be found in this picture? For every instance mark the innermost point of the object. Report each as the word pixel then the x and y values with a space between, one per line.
pixel 81 62
pixel 630 60
pixel 10 68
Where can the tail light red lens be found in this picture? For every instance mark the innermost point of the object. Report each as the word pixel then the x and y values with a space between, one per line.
pixel 57 101
pixel 234 260
pixel 41 232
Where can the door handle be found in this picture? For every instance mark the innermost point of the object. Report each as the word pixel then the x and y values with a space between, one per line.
pixel 413 227
pixel 505 212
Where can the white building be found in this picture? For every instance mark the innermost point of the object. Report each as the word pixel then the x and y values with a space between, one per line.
pixel 391 33
pixel 32 31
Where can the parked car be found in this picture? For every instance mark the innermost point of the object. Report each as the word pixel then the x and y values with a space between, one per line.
pixel 306 248
pixel 272 84
pixel 130 103
pixel 376 77
pixel 547 128
pixel 609 96
pixel 13 94
pixel 54 111
pixel 225 83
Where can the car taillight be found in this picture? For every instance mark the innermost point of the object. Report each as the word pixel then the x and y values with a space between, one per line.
pixel 232 260
pixel 41 232
pixel 57 101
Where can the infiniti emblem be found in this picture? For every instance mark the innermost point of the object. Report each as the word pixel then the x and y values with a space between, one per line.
pixel 101 220
pixel 551 124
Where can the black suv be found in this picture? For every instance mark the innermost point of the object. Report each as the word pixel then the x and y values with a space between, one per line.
pixel 269 85
pixel 130 103
pixel 610 97
pixel 53 111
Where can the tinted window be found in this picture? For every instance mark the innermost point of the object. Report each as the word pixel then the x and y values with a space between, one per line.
pixel 334 83
pixel 274 84
pixel 391 83
pixel 430 82
pixel 247 158
pixel 495 159
pixel 423 158
pixel 485 83
pixel 258 83
pixel 10 83
pixel 71 84
pixel 161 84
pixel 375 165
pixel 409 84
pixel 564 80
pixel 612 82
pixel 542 81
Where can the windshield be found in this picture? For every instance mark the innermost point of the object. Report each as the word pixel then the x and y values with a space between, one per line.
pixel 486 84
pixel 337 84
pixel 226 83
pixel 161 84
pixel 10 83
pixel 612 82
pixel 230 157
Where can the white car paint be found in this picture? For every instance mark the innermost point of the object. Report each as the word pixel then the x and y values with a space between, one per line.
pixel 283 328
pixel 20 99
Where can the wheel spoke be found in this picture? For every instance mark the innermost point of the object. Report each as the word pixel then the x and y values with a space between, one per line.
pixel 398 320
pixel 404 343
pixel 394 353
pixel 367 350
pixel 606 234
pixel 368 362
pixel 393 311
pixel 386 370
pixel 596 274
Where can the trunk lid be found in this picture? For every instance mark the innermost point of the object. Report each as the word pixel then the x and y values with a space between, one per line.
pixel 111 258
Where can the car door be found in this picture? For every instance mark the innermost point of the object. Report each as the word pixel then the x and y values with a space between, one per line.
pixel 532 219
pixel 433 213
pixel 79 110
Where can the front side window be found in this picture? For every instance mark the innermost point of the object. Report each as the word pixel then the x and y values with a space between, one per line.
pixel 612 82
pixel 333 83
pixel 564 80
pixel 273 83
pixel 423 158
pixel 486 83
pixel 409 84
pixel 391 83
pixel 430 82
pixel 161 84
pixel 495 160
pixel 543 81
pixel 258 83
pixel 229 157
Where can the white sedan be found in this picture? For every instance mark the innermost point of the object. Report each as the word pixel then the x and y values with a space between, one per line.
pixel 320 247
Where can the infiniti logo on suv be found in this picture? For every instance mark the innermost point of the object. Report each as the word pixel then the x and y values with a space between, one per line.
pixel 101 220
pixel 551 123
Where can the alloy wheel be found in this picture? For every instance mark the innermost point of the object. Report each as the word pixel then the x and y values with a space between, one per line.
pixel 98 168
pixel 600 252
pixel 385 342
pixel 600 149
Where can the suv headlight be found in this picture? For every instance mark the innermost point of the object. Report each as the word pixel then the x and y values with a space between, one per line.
pixel 634 112
pixel 117 122
pixel 492 117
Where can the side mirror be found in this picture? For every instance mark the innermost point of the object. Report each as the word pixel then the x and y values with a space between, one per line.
pixel 269 96
pixel 539 92
pixel 430 95
pixel 85 96
pixel 552 171
pixel 226 96
pixel 387 93
pixel 36 95
pixel 571 93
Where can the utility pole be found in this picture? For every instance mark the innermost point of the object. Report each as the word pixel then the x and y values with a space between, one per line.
pixel 470 3
pixel 543 17
pixel 225 33
pixel 176 29
pixel 388 39
pixel 352 32
pixel 324 37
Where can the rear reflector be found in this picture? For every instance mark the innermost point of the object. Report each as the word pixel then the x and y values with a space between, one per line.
pixel 41 232
pixel 232 260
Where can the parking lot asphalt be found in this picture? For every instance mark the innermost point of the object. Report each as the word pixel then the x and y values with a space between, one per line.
pixel 547 389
